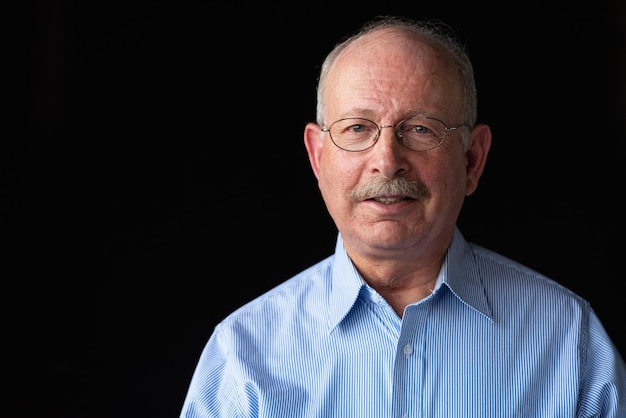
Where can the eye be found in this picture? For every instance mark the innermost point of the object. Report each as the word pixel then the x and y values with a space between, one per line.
pixel 357 128
pixel 418 128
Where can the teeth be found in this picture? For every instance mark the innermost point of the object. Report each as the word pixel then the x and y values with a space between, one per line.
pixel 389 200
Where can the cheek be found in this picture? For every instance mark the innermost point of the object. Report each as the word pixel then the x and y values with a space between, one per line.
pixel 338 175
pixel 445 176
pixel 456 180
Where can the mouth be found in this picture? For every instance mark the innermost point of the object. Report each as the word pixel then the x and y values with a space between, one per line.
pixel 390 200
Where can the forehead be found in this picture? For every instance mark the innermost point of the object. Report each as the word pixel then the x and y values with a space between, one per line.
pixel 392 69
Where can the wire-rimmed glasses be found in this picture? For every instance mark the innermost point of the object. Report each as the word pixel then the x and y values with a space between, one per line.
pixel 418 133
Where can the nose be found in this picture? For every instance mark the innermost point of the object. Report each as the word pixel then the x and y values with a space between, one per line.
pixel 395 130
pixel 389 155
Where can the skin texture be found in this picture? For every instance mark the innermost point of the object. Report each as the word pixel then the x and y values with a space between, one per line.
pixel 398 248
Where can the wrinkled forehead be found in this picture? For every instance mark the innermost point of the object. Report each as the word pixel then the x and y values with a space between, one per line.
pixel 394 62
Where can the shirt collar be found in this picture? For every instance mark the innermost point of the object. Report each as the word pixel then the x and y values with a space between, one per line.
pixel 459 272
pixel 462 275
pixel 346 284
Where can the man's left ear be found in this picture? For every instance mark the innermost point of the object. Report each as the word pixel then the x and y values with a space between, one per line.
pixel 476 155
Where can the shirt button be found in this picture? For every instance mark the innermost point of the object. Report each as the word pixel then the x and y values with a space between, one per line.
pixel 408 350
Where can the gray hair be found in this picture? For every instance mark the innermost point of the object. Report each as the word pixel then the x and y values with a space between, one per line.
pixel 435 31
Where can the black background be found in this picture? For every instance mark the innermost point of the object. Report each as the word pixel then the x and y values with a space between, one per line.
pixel 156 176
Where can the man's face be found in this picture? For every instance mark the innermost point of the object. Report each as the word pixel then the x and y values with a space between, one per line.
pixel 387 78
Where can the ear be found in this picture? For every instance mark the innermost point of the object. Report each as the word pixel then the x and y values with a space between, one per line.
pixel 476 155
pixel 314 141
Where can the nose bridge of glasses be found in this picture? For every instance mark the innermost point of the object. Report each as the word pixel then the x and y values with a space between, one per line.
pixel 396 130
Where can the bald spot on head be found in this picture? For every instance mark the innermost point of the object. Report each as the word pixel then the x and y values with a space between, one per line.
pixel 394 54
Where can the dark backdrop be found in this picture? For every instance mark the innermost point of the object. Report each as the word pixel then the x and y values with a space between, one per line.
pixel 157 179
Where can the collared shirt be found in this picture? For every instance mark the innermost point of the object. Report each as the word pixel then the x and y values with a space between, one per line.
pixel 494 339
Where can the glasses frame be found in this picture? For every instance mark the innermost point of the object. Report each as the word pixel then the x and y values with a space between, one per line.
pixel 447 129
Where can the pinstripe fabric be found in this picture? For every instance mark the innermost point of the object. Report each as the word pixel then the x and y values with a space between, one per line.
pixel 495 339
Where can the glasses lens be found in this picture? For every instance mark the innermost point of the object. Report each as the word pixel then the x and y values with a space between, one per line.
pixel 421 133
pixel 354 134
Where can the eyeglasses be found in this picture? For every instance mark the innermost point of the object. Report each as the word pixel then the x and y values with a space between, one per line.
pixel 419 133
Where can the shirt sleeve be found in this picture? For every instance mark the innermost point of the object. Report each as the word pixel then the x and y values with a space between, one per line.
pixel 212 392
pixel 603 388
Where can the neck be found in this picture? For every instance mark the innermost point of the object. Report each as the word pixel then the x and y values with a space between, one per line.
pixel 401 284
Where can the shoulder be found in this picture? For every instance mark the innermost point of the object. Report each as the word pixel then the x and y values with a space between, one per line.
pixel 517 285
pixel 301 294
pixel 494 265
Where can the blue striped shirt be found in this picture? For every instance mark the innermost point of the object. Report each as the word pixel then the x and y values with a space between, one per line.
pixel 495 339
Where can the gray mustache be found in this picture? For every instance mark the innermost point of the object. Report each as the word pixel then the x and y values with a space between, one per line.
pixel 381 186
